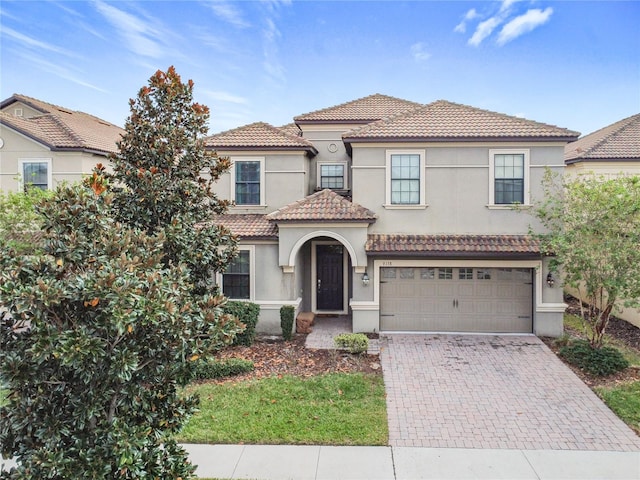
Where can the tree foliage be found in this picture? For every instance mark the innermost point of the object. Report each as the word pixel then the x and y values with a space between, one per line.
pixel 165 177
pixel 19 226
pixel 102 325
pixel 594 233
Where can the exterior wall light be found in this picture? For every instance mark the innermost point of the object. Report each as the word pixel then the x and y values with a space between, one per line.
pixel 365 278
pixel 550 280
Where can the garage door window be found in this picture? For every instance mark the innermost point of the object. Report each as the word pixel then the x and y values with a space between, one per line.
pixel 483 274
pixel 388 273
pixel 427 273
pixel 445 273
pixel 465 273
pixel 407 273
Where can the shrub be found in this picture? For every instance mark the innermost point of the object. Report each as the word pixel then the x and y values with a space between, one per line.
pixel 601 361
pixel 247 313
pixel 287 312
pixel 352 342
pixel 213 368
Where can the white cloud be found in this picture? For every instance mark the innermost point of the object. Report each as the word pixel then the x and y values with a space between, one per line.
pixel 225 97
pixel 60 71
pixel 462 26
pixel 228 12
pixel 419 52
pixel 271 62
pixel 524 24
pixel 483 30
pixel 33 43
pixel 141 37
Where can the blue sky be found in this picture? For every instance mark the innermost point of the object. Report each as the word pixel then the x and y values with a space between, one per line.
pixel 573 64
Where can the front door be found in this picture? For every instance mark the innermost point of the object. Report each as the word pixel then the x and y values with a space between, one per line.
pixel 329 277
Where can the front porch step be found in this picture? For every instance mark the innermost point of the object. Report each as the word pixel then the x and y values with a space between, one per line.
pixel 304 320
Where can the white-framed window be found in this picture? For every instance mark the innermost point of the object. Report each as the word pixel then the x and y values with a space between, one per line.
pixel 405 178
pixel 35 173
pixel 238 280
pixel 332 175
pixel 247 180
pixel 509 176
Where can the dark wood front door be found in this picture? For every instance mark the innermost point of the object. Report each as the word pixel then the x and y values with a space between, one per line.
pixel 330 278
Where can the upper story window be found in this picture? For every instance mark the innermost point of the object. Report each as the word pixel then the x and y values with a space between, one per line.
pixel 248 178
pixel 405 178
pixel 35 173
pixel 237 280
pixel 509 171
pixel 332 175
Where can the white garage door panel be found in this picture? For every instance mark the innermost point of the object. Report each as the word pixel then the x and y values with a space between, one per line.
pixel 489 300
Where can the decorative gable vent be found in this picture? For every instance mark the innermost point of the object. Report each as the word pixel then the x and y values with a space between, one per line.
pixel 18 112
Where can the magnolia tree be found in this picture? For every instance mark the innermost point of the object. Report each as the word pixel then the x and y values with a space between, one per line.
pixel 165 177
pixel 594 233
pixel 104 322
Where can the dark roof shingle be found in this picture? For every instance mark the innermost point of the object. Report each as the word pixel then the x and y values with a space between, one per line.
pixel 259 135
pixel 620 140
pixel 323 206
pixel 253 226
pixel 443 120
pixel 63 129
pixel 362 110
pixel 454 245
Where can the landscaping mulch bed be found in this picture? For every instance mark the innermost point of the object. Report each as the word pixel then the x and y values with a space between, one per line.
pixel 272 356
pixel 620 330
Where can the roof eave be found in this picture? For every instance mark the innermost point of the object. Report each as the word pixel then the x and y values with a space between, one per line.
pixel 389 139
pixel 448 254
pixel 238 148
pixel 323 220
pixel 571 161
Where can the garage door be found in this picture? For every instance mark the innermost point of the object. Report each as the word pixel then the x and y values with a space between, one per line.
pixel 491 300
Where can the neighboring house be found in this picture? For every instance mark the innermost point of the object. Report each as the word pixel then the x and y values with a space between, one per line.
pixel 43 144
pixel 610 151
pixel 395 213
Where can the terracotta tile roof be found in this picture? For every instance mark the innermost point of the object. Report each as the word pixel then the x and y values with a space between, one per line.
pixel 363 110
pixel 323 206
pixel 253 226
pixel 620 140
pixel 63 129
pixel 443 120
pixel 455 245
pixel 291 129
pixel 258 135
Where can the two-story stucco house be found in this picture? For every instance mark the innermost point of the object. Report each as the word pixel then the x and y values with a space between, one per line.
pixel 611 151
pixel 395 213
pixel 43 144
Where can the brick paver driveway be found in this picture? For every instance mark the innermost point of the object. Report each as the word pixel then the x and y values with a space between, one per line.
pixel 506 392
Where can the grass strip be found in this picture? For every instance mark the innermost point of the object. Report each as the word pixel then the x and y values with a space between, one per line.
pixel 331 409
pixel 624 400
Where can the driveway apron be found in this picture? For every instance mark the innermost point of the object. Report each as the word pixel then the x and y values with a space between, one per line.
pixel 499 392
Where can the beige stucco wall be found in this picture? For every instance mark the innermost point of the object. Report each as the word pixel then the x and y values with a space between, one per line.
pixel 456 185
pixel 631 315
pixel 609 169
pixel 65 166
pixel 285 179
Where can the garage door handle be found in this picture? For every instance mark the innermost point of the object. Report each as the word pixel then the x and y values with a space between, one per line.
pixel 455 303
pixel 387 315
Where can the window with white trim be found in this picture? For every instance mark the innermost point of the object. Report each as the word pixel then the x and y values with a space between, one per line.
pixel 248 181
pixel 237 279
pixel 332 175
pixel 509 172
pixel 35 173
pixel 405 178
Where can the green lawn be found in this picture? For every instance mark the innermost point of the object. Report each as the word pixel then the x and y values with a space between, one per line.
pixel 331 409
pixel 624 400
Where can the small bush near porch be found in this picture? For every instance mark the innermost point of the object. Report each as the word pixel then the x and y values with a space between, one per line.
pixel 329 409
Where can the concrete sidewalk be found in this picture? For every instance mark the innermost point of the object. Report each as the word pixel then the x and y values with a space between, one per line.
pixel 280 462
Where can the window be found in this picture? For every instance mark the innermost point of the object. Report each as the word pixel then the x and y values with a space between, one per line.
pixel 405 179
pixel 248 177
pixel 483 274
pixel 35 173
pixel 445 273
pixel 332 175
pixel 465 273
pixel 236 280
pixel 509 177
